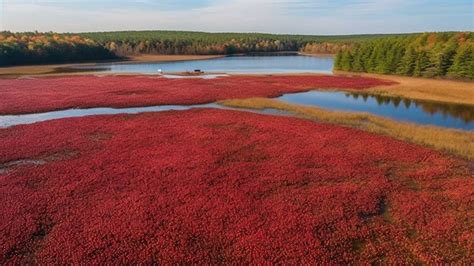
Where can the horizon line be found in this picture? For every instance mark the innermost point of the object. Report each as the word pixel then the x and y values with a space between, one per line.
pixel 235 32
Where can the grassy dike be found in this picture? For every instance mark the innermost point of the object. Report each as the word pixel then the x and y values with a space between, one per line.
pixel 458 142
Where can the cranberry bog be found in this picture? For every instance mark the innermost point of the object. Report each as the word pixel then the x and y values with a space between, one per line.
pixel 219 186
pixel 211 186
pixel 56 93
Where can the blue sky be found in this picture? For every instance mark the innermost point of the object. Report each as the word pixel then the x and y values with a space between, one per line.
pixel 278 16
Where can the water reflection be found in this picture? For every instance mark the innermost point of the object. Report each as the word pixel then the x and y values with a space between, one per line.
pixel 421 112
pixel 464 112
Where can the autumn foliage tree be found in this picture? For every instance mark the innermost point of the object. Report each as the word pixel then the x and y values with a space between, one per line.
pixel 42 48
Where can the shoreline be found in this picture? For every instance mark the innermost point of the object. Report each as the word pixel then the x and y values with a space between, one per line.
pixel 317 55
pixel 48 69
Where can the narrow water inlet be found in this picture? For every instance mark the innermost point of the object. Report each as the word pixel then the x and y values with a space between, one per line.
pixel 23 119
pixel 6 166
pixel 12 120
pixel 402 109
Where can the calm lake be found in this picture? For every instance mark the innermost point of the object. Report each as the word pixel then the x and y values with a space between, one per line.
pixel 257 64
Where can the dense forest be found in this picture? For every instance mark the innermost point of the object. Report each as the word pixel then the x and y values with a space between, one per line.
pixel 39 48
pixel 42 48
pixel 185 42
pixel 448 54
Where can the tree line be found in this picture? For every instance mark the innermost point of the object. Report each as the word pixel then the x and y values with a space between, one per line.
pixel 188 42
pixel 446 54
pixel 46 48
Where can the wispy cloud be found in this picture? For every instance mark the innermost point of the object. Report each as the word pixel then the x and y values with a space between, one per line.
pixel 282 16
pixel 108 5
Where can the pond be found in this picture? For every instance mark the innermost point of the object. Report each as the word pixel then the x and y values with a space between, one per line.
pixel 402 109
pixel 257 64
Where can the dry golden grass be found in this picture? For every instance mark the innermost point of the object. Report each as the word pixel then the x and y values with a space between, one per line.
pixel 454 141
pixel 450 91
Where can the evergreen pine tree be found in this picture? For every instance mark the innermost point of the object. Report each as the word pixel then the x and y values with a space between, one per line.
pixel 422 63
pixel 407 63
pixel 463 64
pixel 346 61
pixel 447 58
pixel 337 61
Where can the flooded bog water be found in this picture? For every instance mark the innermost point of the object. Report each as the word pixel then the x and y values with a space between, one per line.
pixel 23 119
pixel 419 112
pixel 12 120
